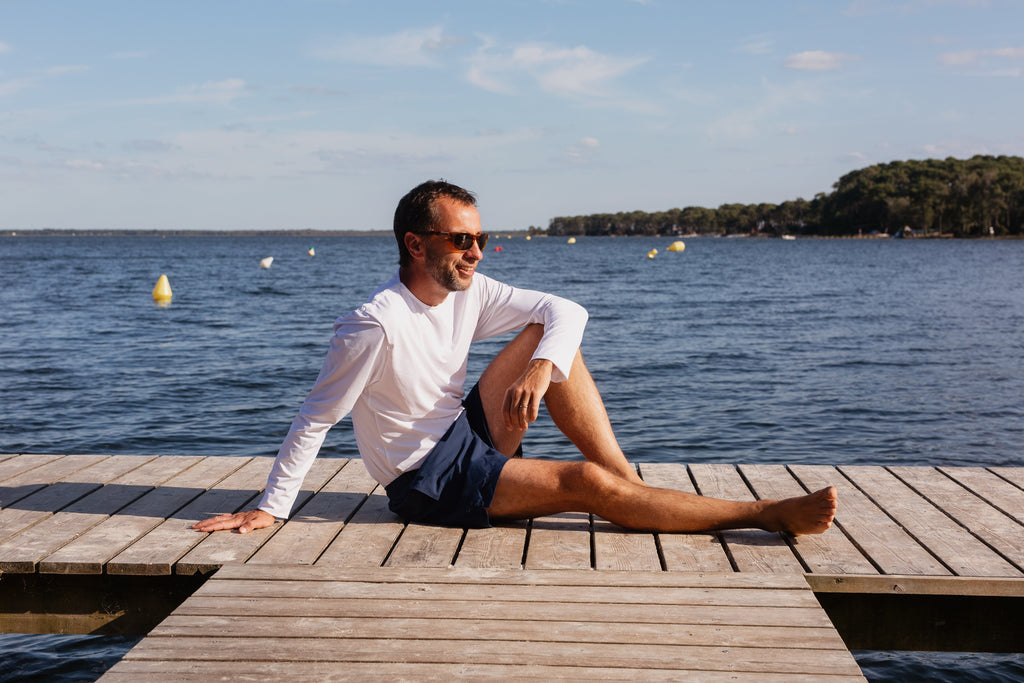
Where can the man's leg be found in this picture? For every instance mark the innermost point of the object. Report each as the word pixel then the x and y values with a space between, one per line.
pixel 532 488
pixel 575 406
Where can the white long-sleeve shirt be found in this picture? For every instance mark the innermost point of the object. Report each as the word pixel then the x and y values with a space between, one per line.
pixel 399 365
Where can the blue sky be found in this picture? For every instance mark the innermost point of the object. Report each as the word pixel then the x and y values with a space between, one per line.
pixel 322 113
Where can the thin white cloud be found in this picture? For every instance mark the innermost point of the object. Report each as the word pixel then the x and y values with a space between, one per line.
pixel 414 47
pixel 577 72
pixel 757 45
pixel 14 85
pixel 212 92
pixel 818 60
pixel 980 57
pixel 4 47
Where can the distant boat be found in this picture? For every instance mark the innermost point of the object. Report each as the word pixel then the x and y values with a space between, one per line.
pixel 789 237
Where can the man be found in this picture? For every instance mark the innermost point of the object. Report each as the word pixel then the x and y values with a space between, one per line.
pixel 398 364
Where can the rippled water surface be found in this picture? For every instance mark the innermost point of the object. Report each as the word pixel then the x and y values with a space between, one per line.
pixel 736 350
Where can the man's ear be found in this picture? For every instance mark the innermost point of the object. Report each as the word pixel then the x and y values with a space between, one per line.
pixel 416 244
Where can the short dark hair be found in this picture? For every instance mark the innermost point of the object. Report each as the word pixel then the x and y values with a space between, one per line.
pixel 416 212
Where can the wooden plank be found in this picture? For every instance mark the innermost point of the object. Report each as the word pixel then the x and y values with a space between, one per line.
pixel 1014 475
pixel 701 552
pixel 559 541
pixel 58 495
pixel 425 546
pixel 225 547
pixel 958 550
pixel 311 529
pixel 317 672
pixel 828 553
pixel 569 630
pixel 22 552
pixel 500 547
pixel 411 607
pixel 157 552
pixel 38 472
pixel 386 651
pixel 999 531
pixel 884 542
pixel 88 553
pixel 12 467
pixel 970 586
pixel 368 537
pixel 458 575
pixel 752 550
pixel 621 549
pixel 994 489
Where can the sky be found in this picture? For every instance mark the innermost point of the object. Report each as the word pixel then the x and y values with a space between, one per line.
pixel 321 114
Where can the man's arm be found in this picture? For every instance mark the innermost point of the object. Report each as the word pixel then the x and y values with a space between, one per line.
pixel 350 365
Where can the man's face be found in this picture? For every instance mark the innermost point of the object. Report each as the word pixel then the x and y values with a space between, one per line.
pixel 453 269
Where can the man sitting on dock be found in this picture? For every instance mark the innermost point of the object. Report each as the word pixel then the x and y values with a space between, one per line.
pixel 398 364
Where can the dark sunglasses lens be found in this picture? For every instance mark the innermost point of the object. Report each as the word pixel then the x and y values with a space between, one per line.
pixel 464 241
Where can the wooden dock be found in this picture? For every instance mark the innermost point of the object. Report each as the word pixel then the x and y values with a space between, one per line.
pixel 919 558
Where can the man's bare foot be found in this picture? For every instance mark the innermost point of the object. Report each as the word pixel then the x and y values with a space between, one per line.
pixel 810 514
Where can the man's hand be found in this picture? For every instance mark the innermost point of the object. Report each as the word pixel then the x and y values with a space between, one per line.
pixel 522 399
pixel 247 521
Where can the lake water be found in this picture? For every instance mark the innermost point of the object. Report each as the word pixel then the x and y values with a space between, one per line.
pixel 735 350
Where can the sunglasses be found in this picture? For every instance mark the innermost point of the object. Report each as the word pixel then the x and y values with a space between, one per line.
pixel 462 241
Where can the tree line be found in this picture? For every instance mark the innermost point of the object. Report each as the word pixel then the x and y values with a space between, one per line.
pixel 980 196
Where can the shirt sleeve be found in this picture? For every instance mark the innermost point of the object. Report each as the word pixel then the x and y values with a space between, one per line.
pixel 351 364
pixel 506 308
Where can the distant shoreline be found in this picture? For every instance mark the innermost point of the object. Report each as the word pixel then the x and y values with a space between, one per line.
pixel 56 232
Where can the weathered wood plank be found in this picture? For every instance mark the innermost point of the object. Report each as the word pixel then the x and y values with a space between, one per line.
pixel 752 550
pixel 425 546
pixel 458 575
pixel 1014 475
pixel 994 489
pixel 884 542
pixel 560 542
pixel 368 537
pixel 498 628
pixel 961 552
pixel 828 553
pixel 226 547
pixel 58 495
pixel 996 529
pixel 317 672
pixel 386 651
pixel 701 552
pixel 30 473
pixel 22 552
pixel 158 550
pixel 500 547
pixel 311 529
pixel 717 615
pixel 12 467
pixel 621 549
pixel 88 553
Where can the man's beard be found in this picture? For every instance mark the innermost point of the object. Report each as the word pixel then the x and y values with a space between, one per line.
pixel 445 274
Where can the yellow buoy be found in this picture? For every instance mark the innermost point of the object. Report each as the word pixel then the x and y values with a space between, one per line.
pixel 162 291
pixel 652 253
pixel 678 245
pixel 265 263
pixel 528 238
pixel 571 240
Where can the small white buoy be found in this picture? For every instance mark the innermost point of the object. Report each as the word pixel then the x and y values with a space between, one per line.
pixel 265 263
pixel 571 240
pixel 312 251
pixel 528 238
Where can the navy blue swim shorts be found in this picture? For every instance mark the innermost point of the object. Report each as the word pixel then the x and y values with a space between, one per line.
pixel 455 483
